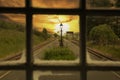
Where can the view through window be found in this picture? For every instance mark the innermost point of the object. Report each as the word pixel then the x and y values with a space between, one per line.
pixel 59 39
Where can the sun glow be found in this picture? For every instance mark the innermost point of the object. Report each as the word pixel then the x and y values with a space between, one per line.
pixel 65 28
pixel 52 23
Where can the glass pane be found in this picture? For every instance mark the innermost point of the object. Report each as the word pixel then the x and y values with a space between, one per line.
pixel 12 3
pixel 103 37
pixel 103 75
pixel 12 37
pixel 103 4
pixel 56 75
pixel 56 3
pixel 56 38
pixel 12 75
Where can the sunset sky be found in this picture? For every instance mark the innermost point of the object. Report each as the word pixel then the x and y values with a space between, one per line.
pixel 42 3
pixel 56 3
pixel 52 22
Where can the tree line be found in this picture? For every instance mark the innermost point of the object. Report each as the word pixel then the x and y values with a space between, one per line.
pixel 105 3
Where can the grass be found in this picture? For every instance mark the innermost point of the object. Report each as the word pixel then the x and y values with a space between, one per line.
pixel 12 38
pixel 11 41
pixel 113 51
pixel 37 40
pixel 59 53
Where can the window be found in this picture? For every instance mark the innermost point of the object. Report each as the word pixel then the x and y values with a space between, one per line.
pixel 77 9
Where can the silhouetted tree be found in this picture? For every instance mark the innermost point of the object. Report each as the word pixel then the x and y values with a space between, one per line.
pixel 45 33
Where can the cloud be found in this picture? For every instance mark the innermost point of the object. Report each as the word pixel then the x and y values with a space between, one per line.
pixel 12 3
pixel 56 3
pixel 49 21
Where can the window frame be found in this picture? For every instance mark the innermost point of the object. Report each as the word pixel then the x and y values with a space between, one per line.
pixel 29 67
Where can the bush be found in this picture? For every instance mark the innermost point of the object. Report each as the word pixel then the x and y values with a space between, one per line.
pixel 102 3
pixel 117 4
pixel 59 53
pixel 103 35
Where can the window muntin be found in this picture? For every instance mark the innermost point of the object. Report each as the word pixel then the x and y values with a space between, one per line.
pixel 64 4
pixel 12 3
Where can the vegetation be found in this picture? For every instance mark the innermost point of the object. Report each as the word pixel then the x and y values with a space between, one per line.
pixel 55 35
pixel 117 3
pixel 109 50
pixel 59 53
pixel 102 35
pixel 11 26
pixel 40 36
pixel 12 38
pixel 113 21
pixel 101 3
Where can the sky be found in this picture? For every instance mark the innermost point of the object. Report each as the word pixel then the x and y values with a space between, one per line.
pixel 42 3
pixel 56 3
pixel 52 22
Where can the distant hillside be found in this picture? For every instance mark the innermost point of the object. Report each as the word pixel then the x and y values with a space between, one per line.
pixel 13 37
pixel 16 18
pixel 4 18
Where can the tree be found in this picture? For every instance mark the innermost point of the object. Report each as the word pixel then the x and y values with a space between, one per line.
pixel 102 3
pixel 102 35
pixel 55 35
pixel 113 21
pixel 45 33
pixel 117 4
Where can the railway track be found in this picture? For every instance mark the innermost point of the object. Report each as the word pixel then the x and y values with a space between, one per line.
pixel 17 56
pixel 96 53
pixel 101 56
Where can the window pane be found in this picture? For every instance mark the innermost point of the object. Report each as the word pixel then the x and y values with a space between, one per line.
pixel 103 4
pixel 12 3
pixel 56 75
pixel 12 37
pixel 12 75
pixel 54 38
pixel 56 3
pixel 103 37
pixel 103 75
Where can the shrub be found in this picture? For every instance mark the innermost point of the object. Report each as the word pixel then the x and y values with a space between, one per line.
pixel 59 53
pixel 102 3
pixel 117 4
pixel 103 35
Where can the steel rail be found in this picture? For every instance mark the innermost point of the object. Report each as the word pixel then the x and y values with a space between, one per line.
pixel 18 55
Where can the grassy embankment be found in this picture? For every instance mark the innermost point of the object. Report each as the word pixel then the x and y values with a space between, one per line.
pixel 109 50
pixel 12 38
